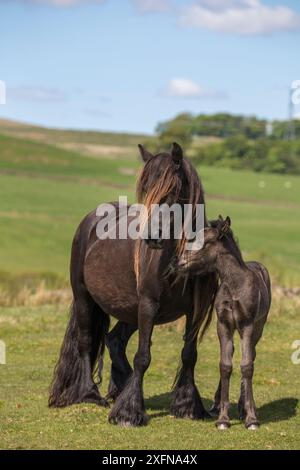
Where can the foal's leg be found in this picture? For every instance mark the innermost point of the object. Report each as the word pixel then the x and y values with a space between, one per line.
pixel 129 408
pixel 225 334
pixel 246 404
pixel 116 342
pixel 257 333
pixel 186 401
pixel 215 409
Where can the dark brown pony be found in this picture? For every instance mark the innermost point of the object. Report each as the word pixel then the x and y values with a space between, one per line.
pixel 104 283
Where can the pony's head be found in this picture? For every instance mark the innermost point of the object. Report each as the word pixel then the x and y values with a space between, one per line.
pixel 166 178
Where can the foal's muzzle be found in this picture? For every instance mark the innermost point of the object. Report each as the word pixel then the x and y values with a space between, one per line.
pixel 156 244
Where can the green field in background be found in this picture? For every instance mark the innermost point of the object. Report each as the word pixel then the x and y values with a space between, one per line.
pixel 46 190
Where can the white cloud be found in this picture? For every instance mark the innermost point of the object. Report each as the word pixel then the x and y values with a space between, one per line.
pixel 183 87
pixel 37 94
pixel 243 17
pixel 149 6
pixel 186 88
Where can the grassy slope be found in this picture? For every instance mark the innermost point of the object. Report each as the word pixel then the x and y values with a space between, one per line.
pixel 45 191
pixel 59 136
pixel 26 422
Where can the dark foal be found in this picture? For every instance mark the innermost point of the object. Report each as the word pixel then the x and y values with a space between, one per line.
pixel 242 303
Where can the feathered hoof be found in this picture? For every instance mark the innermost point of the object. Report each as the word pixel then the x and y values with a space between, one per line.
pixel 128 417
pixel 128 409
pixel 93 396
pixel 187 403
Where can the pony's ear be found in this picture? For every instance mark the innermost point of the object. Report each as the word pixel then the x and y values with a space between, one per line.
pixel 221 218
pixel 177 153
pixel 228 221
pixel 144 153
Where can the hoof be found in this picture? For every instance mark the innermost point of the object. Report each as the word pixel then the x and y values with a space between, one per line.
pixel 93 396
pixel 253 427
pixel 104 402
pixel 223 426
pixel 122 419
pixel 187 403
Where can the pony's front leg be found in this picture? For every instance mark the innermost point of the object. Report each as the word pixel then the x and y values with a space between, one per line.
pixel 186 401
pixel 129 408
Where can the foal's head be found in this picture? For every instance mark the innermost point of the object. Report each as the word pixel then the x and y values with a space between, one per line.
pixel 218 240
pixel 167 178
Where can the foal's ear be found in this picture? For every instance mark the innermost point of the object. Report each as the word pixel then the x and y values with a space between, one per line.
pixel 228 220
pixel 177 153
pixel 223 228
pixel 144 153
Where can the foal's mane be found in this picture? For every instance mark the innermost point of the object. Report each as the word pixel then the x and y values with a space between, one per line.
pixel 230 243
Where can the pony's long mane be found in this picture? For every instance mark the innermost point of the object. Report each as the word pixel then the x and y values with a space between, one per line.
pixel 183 183
pixel 186 188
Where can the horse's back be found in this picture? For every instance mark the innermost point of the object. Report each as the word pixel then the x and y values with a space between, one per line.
pixel 264 281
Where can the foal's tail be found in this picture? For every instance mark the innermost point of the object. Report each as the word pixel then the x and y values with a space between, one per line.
pixel 205 291
pixel 72 382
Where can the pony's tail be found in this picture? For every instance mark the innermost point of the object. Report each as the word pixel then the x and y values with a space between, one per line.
pixel 72 380
pixel 205 291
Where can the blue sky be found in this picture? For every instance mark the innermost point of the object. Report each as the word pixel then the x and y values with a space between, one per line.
pixel 127 64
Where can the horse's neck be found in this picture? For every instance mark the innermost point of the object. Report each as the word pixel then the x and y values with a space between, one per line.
pixel 230 271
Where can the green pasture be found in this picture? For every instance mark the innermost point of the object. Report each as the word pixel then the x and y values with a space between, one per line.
pixel 49 179
pixel 33 337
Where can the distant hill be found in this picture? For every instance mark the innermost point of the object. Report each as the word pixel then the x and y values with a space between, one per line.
pixel 92 143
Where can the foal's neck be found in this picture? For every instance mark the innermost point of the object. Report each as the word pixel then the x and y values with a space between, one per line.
pixel 230 270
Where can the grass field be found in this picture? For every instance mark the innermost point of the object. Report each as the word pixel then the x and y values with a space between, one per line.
pixel 49 179
pixel 26 422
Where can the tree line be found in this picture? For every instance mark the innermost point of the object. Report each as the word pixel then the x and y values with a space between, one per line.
pixel 235 141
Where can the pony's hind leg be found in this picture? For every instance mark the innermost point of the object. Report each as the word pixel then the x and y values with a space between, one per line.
pixel 83 344
pixel 186 402
pixel 116 342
